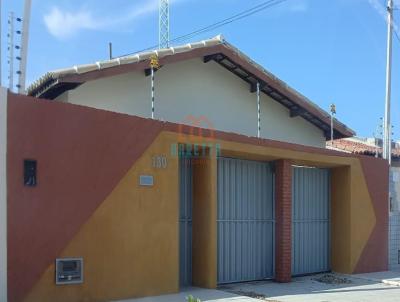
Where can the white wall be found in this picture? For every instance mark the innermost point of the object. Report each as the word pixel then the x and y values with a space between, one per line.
pixel 195 88
pixel 394 241
pixel 3 194
pixel 394 219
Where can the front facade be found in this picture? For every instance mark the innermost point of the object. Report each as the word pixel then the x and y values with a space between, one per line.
pixel 117 191
pixel 104 203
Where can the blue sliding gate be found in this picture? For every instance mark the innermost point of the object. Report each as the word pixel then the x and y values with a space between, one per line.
pixel 245 220
pixel 311 221
pixel 185 221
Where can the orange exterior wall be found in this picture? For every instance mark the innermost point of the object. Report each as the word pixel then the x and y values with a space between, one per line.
pixel 129 235
pixel 130 244
pixel 204 223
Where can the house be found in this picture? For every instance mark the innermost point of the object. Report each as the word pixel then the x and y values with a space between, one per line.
pixel 373 147
pixel 210 79
pixel 105 203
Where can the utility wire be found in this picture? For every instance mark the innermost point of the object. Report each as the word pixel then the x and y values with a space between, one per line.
pixel 237 17
pixel 244 14
pixel 395 31
pixel 397 35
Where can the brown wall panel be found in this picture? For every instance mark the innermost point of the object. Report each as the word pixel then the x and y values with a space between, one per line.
pixel 375 254
pixel 340 217
pixel 82 154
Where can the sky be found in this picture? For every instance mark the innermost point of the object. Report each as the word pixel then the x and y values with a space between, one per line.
pixel 332 51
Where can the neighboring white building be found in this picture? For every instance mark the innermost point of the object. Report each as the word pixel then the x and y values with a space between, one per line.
pixel 394 219
pixel 209 79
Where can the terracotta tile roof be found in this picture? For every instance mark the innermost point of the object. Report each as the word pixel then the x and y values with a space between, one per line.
pixel 359 147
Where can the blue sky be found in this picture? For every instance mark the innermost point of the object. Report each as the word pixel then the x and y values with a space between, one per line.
pixel 329 50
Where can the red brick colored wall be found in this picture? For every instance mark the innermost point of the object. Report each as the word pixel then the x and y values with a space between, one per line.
pixel 283 217
pixel 375 255
pixel 82 153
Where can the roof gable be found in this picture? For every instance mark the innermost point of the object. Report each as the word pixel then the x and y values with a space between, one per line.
pixel 217 49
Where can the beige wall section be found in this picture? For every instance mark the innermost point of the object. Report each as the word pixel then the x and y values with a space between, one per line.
pixel 195 88
pixel 63 97
pixel 130 244
pixel 204 222
pixel 3 194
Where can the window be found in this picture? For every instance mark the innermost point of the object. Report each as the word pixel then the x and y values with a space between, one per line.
pixel 69 271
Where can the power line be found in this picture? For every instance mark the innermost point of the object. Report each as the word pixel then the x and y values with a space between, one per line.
pixel 395 31
pixel 239 16
pixel 397 35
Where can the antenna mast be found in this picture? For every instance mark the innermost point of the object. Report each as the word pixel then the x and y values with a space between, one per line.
pixel 24 46
pixel 163 20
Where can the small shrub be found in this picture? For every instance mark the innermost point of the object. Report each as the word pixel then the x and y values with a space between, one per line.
pixel 192 299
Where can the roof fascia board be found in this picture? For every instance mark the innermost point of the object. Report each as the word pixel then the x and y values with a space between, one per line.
pixel 140 66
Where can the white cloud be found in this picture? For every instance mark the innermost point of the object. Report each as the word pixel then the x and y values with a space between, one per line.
pixel 136 12
pixel 64 24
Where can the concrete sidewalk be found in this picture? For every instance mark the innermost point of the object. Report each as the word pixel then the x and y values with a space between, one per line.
pixel 317 288
pixel 311 289
pixel 205 295
pixel 390 278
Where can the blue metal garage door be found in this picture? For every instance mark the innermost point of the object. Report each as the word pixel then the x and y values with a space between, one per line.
pixel 185 221
pixel 245 220
pixel 311 221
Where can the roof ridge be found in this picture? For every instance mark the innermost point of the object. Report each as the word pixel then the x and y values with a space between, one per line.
pixel 127 59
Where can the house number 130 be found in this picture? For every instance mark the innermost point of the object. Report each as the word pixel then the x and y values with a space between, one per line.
pixel 159 162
